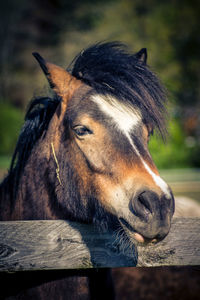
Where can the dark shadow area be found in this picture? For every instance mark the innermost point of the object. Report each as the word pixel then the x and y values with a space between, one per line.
pixel 13 283
pixel 166 283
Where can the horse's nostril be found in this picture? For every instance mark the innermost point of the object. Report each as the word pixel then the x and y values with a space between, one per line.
pixel 144 205
pixel 151 215
pixel 144 200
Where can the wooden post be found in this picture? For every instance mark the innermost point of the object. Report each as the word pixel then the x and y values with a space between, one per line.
pixel 57 245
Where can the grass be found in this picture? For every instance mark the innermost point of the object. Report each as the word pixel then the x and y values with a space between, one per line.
pixel 180 180
pixel 181 175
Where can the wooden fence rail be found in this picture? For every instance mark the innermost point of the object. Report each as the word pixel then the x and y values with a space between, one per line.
pixel 56 245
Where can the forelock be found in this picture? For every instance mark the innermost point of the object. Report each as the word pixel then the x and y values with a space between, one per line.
pixel 110 70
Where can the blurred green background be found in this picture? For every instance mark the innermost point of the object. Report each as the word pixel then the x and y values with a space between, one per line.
pixel 59 29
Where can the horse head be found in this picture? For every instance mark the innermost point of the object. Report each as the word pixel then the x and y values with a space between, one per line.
pixel 97 142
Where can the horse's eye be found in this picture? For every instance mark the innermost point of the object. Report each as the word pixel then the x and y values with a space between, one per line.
pixel 82 130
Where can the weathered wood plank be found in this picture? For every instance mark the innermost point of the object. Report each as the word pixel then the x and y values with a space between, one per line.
pixel 54 245
pixel 180 248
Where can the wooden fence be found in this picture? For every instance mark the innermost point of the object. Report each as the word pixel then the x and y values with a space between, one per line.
pixel 57 245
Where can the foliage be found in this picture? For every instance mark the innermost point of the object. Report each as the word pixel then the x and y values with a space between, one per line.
pixel 4 163
pixel 174 152
pixel 61 28
pixel 11 120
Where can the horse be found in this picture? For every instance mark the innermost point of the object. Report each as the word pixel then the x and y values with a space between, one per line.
pixel 82 155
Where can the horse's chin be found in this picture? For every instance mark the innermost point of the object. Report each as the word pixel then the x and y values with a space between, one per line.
pixel 140 239
pixel 134 236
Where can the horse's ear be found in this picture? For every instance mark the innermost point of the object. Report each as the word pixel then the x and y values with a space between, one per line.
pixel 59 79
pixel 142 56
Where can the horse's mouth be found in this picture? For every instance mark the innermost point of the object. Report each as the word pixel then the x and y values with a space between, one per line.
pixel 133 234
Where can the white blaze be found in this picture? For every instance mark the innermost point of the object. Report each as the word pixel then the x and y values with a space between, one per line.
pixel 126 118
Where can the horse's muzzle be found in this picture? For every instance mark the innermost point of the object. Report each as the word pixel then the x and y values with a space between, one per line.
pixel 150 217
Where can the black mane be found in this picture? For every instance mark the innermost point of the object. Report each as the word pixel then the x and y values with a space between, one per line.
pixel 37 118
pixel 109 69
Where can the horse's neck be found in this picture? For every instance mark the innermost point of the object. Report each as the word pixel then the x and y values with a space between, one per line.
pixel 31 200
pixel 5 204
